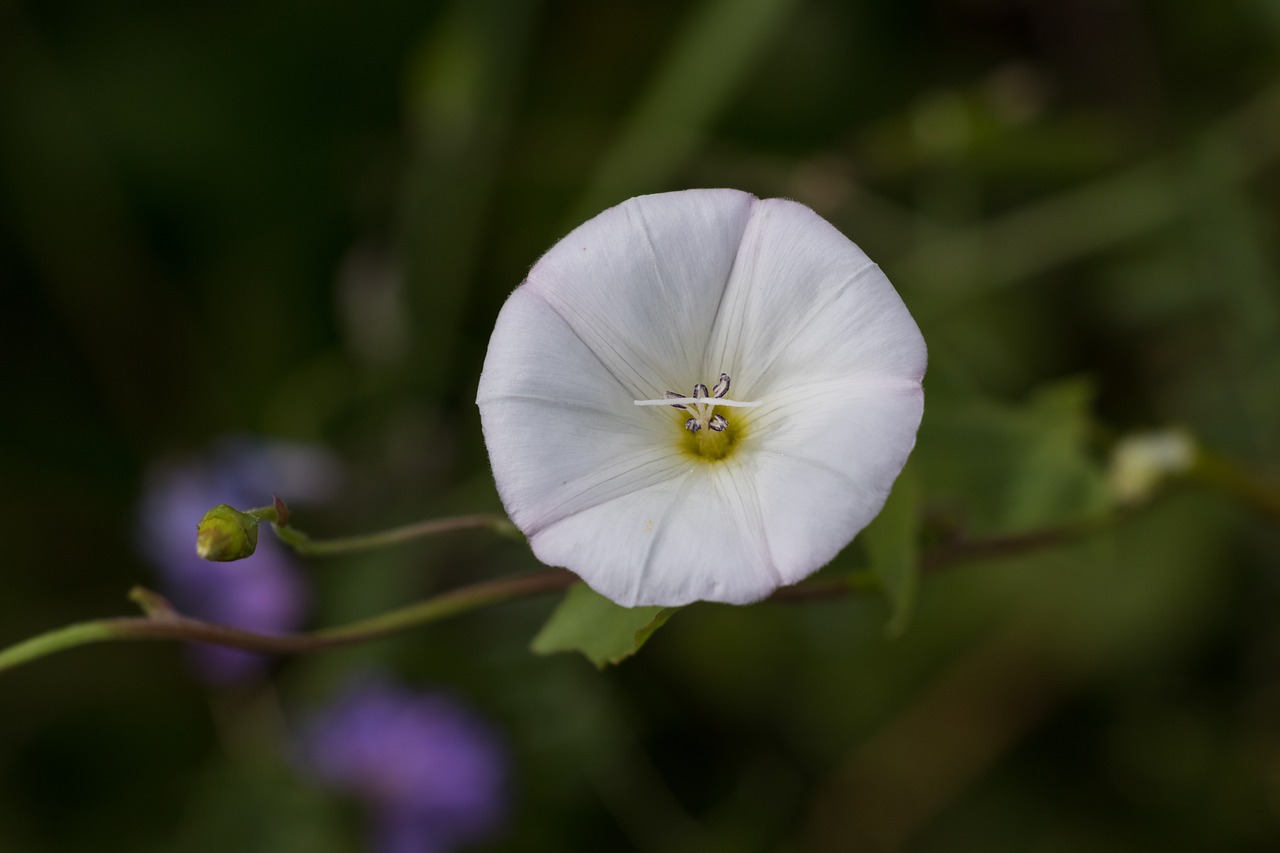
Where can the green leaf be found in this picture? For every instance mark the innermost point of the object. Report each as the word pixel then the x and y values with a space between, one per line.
pixel 1003 468
pixel 606 633
pixel 893 543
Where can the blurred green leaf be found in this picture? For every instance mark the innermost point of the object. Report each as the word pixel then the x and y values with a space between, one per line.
pixel 892 541
pixel 704 68
pixel 1004 468
pixel 606 633
pixel 461 81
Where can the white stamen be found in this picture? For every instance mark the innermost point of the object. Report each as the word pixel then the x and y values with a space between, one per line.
pixel 703 405
pixel 722 387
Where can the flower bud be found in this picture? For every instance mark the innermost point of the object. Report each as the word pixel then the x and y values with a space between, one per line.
pixel 226 534
pixel 1140 462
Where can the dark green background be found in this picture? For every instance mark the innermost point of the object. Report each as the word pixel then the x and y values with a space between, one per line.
pixel 1080 192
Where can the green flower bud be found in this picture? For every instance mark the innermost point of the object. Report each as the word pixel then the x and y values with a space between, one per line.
pixel 226 534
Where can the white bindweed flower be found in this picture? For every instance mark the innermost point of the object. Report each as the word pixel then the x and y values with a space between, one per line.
pixel 700 395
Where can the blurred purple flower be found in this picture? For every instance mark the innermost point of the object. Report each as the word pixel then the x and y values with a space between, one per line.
pixel 430 773
pixel 262 593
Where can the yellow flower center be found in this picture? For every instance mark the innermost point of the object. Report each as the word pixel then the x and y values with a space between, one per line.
pixel 708 435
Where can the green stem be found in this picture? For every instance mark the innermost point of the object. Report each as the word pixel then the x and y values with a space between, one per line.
pixel 1250 491
pixel 305 545
pixel 58 639
pixel 448 604
pixel 171 626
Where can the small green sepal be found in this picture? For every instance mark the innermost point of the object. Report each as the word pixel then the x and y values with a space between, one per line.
pixel 152 603
pixel 226 534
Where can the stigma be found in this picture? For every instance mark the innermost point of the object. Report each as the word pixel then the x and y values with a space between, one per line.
pixel 701 405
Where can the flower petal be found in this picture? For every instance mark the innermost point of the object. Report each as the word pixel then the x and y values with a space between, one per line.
pixel 562 433
pixel 640 283
pixel 805 303
pixel 697 537
pixel 830 459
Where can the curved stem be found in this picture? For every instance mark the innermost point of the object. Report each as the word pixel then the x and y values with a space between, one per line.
pixel 1249 490
pixel 448 604
pixel 68 637
pixel 305 545
pixel 954 552
pixel 163 623
pixel 171 626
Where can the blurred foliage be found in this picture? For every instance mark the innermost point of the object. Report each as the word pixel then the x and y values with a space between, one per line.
pixel 301 223
pixel 892 541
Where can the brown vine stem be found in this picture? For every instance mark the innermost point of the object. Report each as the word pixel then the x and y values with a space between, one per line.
pixel 953 552
pixel 164 623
